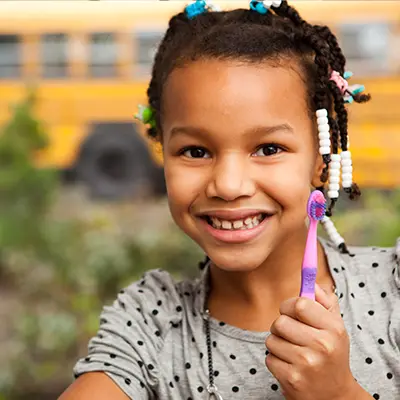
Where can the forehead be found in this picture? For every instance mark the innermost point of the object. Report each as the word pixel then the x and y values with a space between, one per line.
pixel 225 93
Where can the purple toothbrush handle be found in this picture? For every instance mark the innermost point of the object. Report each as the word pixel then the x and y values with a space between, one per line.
pixel 308 277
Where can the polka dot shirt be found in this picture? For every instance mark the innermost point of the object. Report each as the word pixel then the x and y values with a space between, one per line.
pixel 151 341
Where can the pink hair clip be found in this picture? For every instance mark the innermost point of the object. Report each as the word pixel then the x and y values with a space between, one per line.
pixel 341 83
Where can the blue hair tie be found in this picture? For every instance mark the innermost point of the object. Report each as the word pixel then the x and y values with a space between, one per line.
pixel 258 6
pixel 196 8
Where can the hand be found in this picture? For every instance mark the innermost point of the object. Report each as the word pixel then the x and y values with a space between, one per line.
pixel 309 350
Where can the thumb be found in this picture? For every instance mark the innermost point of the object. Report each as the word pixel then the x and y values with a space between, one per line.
pixel 329 301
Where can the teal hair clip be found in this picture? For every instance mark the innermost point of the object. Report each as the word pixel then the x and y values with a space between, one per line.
pixel 146 116
pixel 199 7
pixel 262 7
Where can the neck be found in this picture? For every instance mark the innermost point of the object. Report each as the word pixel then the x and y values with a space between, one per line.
pixel 251 299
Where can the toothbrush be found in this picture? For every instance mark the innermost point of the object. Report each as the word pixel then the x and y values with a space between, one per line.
pixel 316 209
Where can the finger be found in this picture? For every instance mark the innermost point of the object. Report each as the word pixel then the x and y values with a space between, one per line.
pixel 282 349
pixel 310 312
pixel 279 368
pixel 294 331
pixel 329 301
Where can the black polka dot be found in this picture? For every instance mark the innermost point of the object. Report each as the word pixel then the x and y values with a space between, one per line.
pixel 100 336
pixel 129 323
pixel 113 355
pixel 336 270
pixel 201 355
pixel 393 271
pixel 352 295
pixel 189 398
pixel 274 387
pixel 375 265
pixel 122 304
pixel 352 255
pixel 368 360
pixel 150 367
pixel 233 357
pixel 122 291
pixel 187 365
pixel 389 375
pixel 154 312
pixel 222 323
pixel 216 373
pixel 187 294
pixel 361 284
pixel 235 389
pixel 164 289
pixel 176 378
pixel 376 396
pixel 140 363
pixel 138 310
pixel 214 343
pixel 341 295
pixel 193 340
pixel 87 359
pixel 381 341
pixel 157 333
pixel 200 389
pixel 253 371
pixel 370 312
pixel 106 364
pixel 383 295
pixel 159 302
pixel 266 352
pixel 127 381
pixel 140 343
pixel 343 268
pixel 140 291
pixel 171 384
pixel 359 327
pixel 179 308
pixel 141 384
pixel 194 315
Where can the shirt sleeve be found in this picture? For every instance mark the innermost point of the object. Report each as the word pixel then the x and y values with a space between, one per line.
pixel 131 335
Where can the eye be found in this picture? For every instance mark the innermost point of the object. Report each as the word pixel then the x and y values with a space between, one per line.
pixel 195 152
pixel 268 150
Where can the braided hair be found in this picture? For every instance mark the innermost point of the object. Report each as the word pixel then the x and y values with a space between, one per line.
pixel 252 37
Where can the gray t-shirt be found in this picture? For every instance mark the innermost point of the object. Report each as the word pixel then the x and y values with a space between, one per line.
pixel 152 342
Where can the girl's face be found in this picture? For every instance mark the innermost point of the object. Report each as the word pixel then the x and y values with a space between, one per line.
pixel 239 144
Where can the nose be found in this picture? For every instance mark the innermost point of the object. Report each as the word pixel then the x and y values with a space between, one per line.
pixel 231 179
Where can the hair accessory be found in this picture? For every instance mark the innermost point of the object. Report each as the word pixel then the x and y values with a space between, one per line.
pixel 334 176
pixel 263 6
pixel 332 232
pixel 199 7
pixel 347 169
pixel 347 91
pixel 323 132
pixel 146 115
pixel 316 208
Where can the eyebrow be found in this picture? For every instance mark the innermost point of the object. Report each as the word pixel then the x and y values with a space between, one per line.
pixel 258 130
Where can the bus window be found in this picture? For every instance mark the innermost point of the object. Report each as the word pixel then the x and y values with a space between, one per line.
pixel 102 55
pixel 10 56
pixel 146 47
pixel 53 48
pixel 366 47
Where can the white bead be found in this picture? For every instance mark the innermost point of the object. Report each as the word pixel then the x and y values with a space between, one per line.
pixel 334 179
pixel 324 150
pixel 324 135
pixel 347 169
pixel 334 172
pixel 347 177
pixel 335 157
pixel 346 163
pixel 346 155
pixel 335 165
pixel 276 3
pixel 323 112
pixel 322 121
pixel 267 3
pixel 346 184
pixel 333 186
pixel 325 143
pixel 334 194
pixel 324 128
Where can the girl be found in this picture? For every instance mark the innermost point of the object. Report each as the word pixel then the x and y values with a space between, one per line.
pixel 249 106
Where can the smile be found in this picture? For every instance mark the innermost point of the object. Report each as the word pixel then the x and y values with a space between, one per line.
pixel 235 231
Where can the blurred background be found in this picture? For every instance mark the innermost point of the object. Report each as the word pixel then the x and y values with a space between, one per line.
pixel 82 194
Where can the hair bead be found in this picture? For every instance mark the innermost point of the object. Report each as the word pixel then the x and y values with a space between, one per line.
pixel 322 113
pixel 347 169
pixel 332 232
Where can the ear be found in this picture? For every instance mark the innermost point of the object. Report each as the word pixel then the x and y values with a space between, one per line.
pixel 317 172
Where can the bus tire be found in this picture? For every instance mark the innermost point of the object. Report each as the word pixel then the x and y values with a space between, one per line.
pixel 115 163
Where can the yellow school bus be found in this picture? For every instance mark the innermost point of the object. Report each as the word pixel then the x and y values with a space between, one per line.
pixel 91 61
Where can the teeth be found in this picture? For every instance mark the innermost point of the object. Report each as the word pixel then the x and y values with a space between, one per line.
pixel 241 224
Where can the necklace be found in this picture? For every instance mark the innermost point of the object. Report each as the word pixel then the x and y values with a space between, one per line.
pixel 213 393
